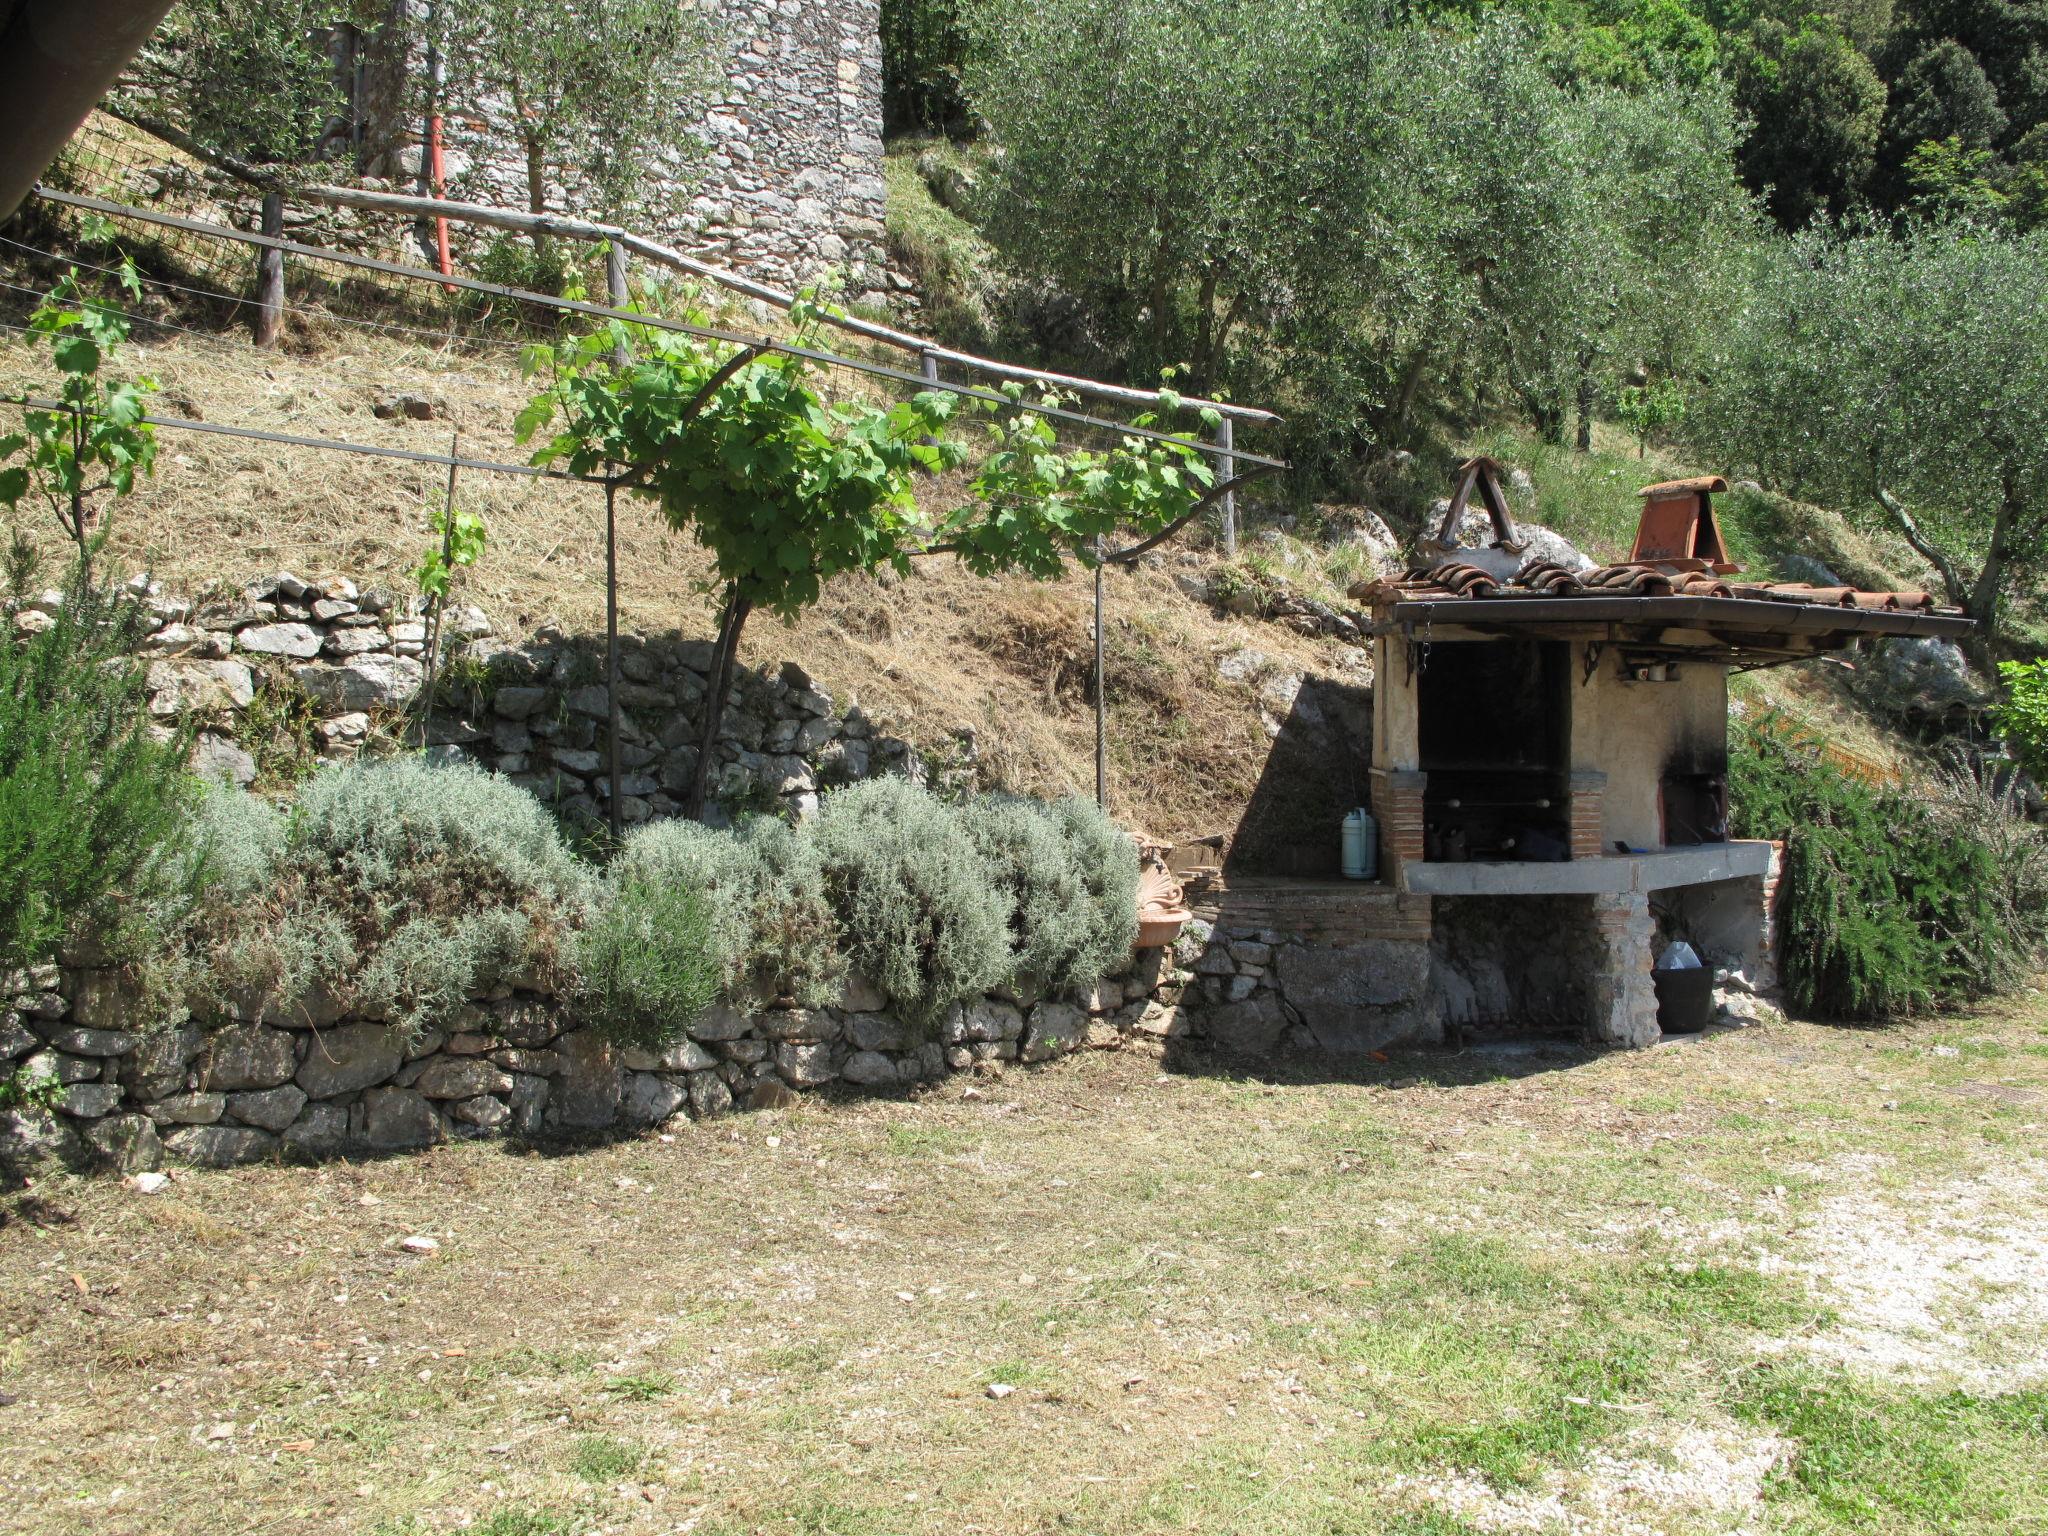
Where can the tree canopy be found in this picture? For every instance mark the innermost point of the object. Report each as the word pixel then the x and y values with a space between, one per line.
pixel 1904 378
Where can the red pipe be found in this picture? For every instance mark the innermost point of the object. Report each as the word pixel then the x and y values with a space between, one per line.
pixel 439 180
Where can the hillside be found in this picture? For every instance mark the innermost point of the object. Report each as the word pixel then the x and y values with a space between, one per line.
pixel 1197 695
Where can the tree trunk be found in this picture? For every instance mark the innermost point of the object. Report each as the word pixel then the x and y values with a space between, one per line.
pixel 724 657
pixel 537 200
pixel 1394 428
pixel 1585 441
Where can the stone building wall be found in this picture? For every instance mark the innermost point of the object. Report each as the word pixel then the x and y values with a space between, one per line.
pixel 790 183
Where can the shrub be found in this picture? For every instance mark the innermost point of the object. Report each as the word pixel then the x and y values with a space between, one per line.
pixel 770 926
pixel 1108 861
pixel 90 800
pixel 1063 877
pixel 920 913
pixel 402 887
pixel 1891 901
pixel 2022 715
pixel 648 964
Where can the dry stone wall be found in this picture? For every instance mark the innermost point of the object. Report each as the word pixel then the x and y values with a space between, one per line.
pixel 344 664
pixel 310 1084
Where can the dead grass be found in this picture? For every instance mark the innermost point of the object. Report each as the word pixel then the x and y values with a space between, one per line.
pixel 916 653
pixel 1457 1294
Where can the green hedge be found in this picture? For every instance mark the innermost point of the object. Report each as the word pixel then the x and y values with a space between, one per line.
pixel 1894 900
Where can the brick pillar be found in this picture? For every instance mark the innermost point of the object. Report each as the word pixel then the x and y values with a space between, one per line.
pixel 1397 807
pixel 1588 791
pixel 1623 996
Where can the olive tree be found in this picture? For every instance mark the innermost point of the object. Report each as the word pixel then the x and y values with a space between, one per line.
pixel 1902 378
pixel 1306 200
pixel 604 91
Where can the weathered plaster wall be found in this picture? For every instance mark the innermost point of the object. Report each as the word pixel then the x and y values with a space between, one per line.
pixel 1630 731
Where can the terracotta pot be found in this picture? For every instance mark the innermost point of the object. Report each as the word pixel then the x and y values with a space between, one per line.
pixel 1161 916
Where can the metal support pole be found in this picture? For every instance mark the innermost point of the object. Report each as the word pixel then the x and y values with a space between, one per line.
pixel 1101 704
pixel 1226 468
pixel 611 645
pixel 270 274
pixel 615 285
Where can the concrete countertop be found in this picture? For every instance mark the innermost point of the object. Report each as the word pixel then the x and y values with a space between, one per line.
pixel 1588 877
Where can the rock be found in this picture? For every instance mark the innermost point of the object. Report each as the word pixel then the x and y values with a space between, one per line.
pixel 404 407
pixel 709 1095
pixel 14 1040
pixel 91 1042
pixel 870 1069
pixel 800 1024
pixel 526 1022
pixel 156 1066
pixel 351 1057
pixel 269 1109
pixel 859 995
pixel 1248 1028
pixel 586 1092
pixel 150 1183
pixel 650 1099
pixel 1917 676
pixel 32 1135
pixel 344 730
pixel 219 1146
pixel 484 1112
pixel 376 681
pixel 88 1101
pixel 985 1020
pixel 770 1094
pixel 804 1064
pixel 1056 1028
pixel 682 1056
pixel 397 1118
pixel 198 687
pixel 1359 998
pixel 301 641
pixel 355 642
pixel 419 1245
pixel 878 1032
pixel 189 1109
pixel 220 760
pixel 518 703
pixel 55 1067
pixel 321 1131
pixel 126 1143
pixel 462 1077
pixel 529 1105
pixel 720 1022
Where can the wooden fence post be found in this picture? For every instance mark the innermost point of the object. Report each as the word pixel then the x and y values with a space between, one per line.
pixel 270 274
pixel 615 285
pixel 1226 469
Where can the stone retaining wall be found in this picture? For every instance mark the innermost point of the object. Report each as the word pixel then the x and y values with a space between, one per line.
pixel 350 660
pixel 309 1086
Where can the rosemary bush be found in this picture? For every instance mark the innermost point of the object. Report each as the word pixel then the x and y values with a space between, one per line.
pixel 921 914
pixel 1071 878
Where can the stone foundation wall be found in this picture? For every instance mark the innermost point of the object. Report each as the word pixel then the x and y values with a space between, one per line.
pixel 516 1063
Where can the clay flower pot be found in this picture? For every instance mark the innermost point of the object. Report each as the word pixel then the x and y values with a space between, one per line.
pixel 1161 909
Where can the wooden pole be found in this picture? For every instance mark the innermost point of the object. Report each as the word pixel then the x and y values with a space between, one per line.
pixel 1101 704
pixel 439 602
pixel 1226 468
pixel 615 285
pixel 269 316
pixel 611 646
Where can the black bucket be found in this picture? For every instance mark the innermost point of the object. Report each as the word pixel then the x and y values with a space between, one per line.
pixel 1685 999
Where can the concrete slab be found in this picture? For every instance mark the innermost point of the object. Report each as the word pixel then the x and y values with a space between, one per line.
pixel 1590 877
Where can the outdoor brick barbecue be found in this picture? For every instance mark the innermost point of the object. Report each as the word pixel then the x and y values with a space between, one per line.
pixel 1549 775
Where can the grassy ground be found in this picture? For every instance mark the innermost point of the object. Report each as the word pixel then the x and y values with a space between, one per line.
pixel 1790 1279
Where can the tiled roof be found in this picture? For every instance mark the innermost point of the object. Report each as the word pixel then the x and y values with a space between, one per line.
pixel 1453 579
